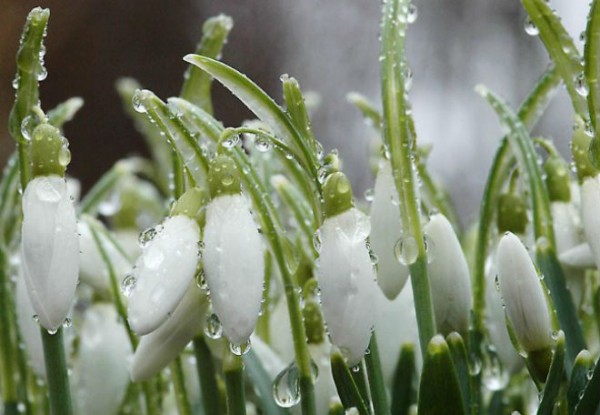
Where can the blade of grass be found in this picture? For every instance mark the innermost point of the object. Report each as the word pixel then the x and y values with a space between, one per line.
pixel 263 384
pixel 233 369
pixel 583 365
pixel 207 376
pixel 588 403
pixel 64 112
pixel 403 388
pixel 591 57
pixel 344 383
pixel 375 376
pixel 555 377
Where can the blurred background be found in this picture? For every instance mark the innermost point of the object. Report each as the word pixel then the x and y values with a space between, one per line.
pixel 330 46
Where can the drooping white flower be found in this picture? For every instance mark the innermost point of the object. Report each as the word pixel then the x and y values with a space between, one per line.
pixel 386 230
pixel 449 277
pixel 523 295
pixel 233 265
pixel 347 280
pixel 100 373
pixel 157 349
pixel 590 200
pixel 163 272
pixel 49 249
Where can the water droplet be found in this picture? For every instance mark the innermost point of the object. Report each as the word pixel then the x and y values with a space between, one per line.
pixel 201 280
pixel 356 368
pixel 240 349
pixel 42 73
pixel 227 179
pixel 530 28
pixel 590 374
pixel 231 141
pixel 15 82
pixel 286 388
pixel 429 249
pixel 128 284
pixel 138 104
pixel 67 323
pixel 406 250
pixel 21 407
pixel 289 156
pixel 64 156
pixel 317 241
pixel 554 334
pixel 52 332
pixel 369 195
pixel 493 375
pixel 412 14
pixel 36 318
pixel 213 329
pixel 581 393
pixel 474 364
pixel 581 85
pixel 497 283
pixel 147 236
pixel 262 144
pixel 28 125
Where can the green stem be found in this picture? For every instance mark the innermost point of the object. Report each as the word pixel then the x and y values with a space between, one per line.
pixel 177 375
pixel 56 373
pixel 233 369
pixel 376 384
pixel 207 376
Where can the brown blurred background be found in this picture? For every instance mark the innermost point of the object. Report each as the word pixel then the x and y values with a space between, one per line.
pixel 330 46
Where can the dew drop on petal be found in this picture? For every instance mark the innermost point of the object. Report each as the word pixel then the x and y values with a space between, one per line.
pixel 406 250
pixel 286 388
pixel 64 156
pixel 240 349
pixel 67 323
pixel 147 236
pixel 128 284
pixel 213 329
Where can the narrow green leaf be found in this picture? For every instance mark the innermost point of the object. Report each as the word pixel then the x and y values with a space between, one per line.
pixel 233 370
pixel 9 196
pixel 526 156
pixel 344 383
pixel 366 107
pixel 260 104
pixel 376 384
pixel 64 112
pixel 211 397
pixel 196 85
pixel 560 47
pixel 263 384
pixel 591 398
pixel 583 366
pixel 439 391
pixel 296 108
pixel 403 388
pixel 458 351
pixel 590 84
pixel 555 377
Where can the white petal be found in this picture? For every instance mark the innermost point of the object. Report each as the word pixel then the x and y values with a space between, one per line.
pixel 50 249
pixel 579 256
pixel 523 295
pixel 590 201
pixel 234 265
pixel 449 277
pixel 93 270
pixel 386 230
pixel 163 272
pixel 566 224
pixel 347 281
pixel 101 371
pixel 29 330
pixel 159 348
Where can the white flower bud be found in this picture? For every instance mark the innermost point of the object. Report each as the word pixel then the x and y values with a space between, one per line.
pixel 49 249
pixel 579 256
pixel 100 374
pixel 590 200
pixel 523 295
pixel 347 281
pixel 163 272
pixel 386 230
pixel 234 265
pixel 449 277
pixel 156 350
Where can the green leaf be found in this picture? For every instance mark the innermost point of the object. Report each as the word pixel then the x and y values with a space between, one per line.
pixel 196 85
pixel 458 351
pixel 233 370
pixel 526 156
pixel 296 108
pixel 591 57
pixel 64 112
pixel 555 376
pixel 211 397
pixel 591 398
pixel 560 47
pixel 403 388
pixel 584 364
pixel 439 391
pixel 344 383
pixel 366 107
pixel 375 376
pixel 260 104
pixel 9 202
pixel 263 384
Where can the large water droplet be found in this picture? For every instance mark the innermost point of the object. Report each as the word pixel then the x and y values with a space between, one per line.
pixel 286 388
pixel 581 85
pixel 128 284
pixel 530 28
pixel 28 125
pixel 262 144
pixel 64 156
pixel 213 329
pixel 147 236
pixel 412 14
pixel 231 141
pixel 406 250
pixel 240 349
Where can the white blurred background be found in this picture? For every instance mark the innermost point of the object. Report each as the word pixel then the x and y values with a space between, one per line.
pixel 330 46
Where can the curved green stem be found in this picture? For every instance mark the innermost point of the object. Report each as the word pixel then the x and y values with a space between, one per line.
pixel 57 376
pixel 177 375
pixel 211 398
pixel 233 369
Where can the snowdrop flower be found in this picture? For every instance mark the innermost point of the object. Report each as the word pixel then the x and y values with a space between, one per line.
pixel 523 295
pixel 157 349
pixel 100 373
pixel 234 255
pixel 386 230
pixel 449 277
pixel 345 273
pixel 166 266
pixel 49 244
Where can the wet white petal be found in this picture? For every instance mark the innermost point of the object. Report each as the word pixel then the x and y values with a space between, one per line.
pixel 163 272
pixel 566 224
pixel 523 295
pixel 449 277
pixel 579 256
pixel 347 281
pixel 590 201
pixel 157 349
pixel 49 249
pixel 386 230
pixel 234 265
pixel 29 330
pixel 100 374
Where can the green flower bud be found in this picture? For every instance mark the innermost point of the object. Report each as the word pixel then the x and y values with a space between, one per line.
pixel 313 321
pixel 223 177
pixel 192 204
pixel 580 148
pixel 558 179
pixel 512 214
pixel 50 154
pixel 337 195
